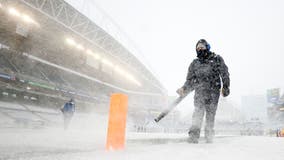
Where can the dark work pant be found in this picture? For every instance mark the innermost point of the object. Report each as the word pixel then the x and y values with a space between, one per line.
pixel 67 118
pixel 205 102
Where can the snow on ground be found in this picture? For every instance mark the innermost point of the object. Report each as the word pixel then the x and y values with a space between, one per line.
pixel 85 140
pixel 57 144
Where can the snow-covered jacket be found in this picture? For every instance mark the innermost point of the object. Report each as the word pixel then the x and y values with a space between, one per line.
pixel 207 73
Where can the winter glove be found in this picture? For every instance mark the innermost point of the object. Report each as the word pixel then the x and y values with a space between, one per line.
pixel 181 92
pixel 225 92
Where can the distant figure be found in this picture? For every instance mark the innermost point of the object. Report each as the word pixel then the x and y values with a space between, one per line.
pixel 280 132
pixel 68 111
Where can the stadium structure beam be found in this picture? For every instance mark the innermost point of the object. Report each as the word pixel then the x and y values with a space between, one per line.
pixel 65 14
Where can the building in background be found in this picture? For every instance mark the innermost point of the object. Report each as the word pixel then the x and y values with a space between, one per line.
pixel 275 110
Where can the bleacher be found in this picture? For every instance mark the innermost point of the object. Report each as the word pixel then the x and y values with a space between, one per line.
pixel 49 70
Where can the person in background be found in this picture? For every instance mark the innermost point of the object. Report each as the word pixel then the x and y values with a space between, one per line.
pixel 68 112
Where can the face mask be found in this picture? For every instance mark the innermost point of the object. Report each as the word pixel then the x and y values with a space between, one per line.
pixel 202 53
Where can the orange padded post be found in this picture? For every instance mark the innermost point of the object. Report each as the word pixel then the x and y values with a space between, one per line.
pixel 117 122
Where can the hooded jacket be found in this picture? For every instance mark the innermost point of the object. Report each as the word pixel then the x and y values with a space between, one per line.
pixel 207 74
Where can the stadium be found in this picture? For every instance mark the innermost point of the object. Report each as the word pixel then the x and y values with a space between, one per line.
pixel 50 52
pixel 75 85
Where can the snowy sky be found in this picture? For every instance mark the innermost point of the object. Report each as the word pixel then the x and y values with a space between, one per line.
pixel 248 34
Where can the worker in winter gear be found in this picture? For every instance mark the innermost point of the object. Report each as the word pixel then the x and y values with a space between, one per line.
pixel 208 76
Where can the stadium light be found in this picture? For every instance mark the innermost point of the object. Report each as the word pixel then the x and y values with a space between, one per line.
pixel 119 70
pixel 97 56
pixel 107 62
pixel 131 78
pixel 14 12
pixel 27 18
pixel 80 47
pixel 70 41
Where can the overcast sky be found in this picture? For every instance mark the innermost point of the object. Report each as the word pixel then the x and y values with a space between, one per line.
pixel 248 34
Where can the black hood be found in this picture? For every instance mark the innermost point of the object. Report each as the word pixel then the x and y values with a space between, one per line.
pixel 203 53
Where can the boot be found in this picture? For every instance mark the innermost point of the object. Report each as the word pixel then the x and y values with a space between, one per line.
pixel 194 135
pixel 192 140
pixel 209 134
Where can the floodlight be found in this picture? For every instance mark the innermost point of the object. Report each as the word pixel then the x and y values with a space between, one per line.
pixel 107 62
pixel 27 18
pixel 70 41
pixel 80 47
pixel 14 12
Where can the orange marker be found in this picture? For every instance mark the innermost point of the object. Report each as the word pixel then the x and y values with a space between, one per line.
pixel 117 122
